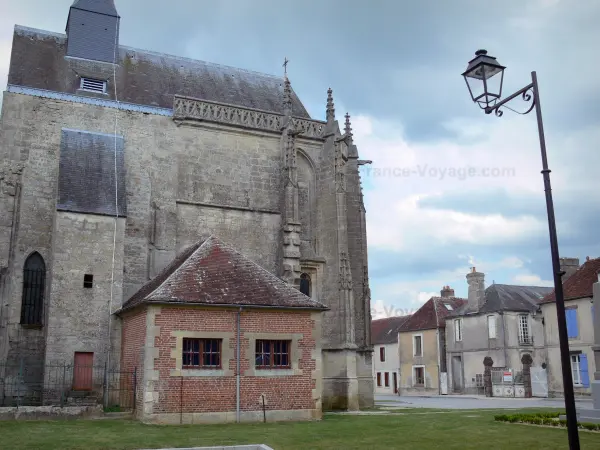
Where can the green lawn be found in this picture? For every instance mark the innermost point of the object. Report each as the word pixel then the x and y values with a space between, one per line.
pixel 416 429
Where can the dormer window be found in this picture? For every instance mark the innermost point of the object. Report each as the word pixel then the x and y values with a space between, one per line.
pixel 93 85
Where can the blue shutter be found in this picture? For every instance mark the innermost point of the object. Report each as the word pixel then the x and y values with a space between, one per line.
pixel 583 369
pixel 572 330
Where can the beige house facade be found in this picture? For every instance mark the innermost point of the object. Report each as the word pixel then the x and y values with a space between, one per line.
pixel 421 346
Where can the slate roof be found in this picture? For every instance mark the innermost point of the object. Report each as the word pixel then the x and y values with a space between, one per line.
pixel 86 178
pixel 432 314
pixel 143 77
pixel 99 6
pixel 212 273
pixel 507 297
pixel 385 331
pixel 580 284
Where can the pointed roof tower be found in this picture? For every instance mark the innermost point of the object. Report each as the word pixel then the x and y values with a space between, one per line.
pixel 348 128
pixel 330 111
pixel 93 30
pixel 106 7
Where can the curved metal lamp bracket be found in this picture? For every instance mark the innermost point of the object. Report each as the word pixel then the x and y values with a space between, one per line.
pixel 527 94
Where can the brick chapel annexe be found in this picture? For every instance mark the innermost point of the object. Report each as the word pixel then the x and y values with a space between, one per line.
pixel 180 331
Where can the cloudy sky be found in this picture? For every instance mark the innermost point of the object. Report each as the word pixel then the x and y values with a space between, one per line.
pixel 395 66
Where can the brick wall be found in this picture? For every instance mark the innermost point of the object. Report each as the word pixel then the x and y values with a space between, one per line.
pixel 132 349
pixel 177 392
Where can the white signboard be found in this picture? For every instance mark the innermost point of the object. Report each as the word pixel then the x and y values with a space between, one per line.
pixel 507 376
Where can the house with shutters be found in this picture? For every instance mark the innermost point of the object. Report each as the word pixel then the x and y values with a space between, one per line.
pixel 503 322
pixel 422 345
pixel 386 366
pixel 581 288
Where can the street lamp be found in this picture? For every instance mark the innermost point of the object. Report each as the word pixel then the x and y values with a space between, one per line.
pixel 484 77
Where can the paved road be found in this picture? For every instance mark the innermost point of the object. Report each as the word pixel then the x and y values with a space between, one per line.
pixel 473 402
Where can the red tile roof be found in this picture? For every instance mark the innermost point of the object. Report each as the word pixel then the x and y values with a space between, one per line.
pixel 432 314
pixel 385 331
pixel 580 284
pixel 212 273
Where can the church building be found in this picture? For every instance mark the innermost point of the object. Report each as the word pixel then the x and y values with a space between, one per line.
pixel 184 219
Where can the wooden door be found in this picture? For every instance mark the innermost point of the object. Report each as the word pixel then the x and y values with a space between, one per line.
pixel 83 371
pixel 395 383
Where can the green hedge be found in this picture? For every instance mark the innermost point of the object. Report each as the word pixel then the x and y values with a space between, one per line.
pixel 543 419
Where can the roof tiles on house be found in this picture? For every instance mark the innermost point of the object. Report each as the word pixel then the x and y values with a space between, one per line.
pixel 580 284
pixel 432 314
pixel 212 273
pixel 507 297
pixel 385 331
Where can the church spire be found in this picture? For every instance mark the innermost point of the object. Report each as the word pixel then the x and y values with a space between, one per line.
pixel 330 112
pixel 287 97
pixel 287 91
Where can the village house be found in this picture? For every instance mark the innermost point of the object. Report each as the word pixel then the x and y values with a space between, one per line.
pixel 581 289
pixel 386 365
pixel 113 160
pixel 502 322
pixel 217 338
pixel 422 346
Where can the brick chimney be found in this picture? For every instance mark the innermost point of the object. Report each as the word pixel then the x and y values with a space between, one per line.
pixel 476 284
pixel 447 292
pixel 569 266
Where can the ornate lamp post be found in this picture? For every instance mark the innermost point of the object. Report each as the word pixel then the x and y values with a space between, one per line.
pixel 484 77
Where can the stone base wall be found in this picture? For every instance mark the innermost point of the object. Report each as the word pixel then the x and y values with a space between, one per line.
pixel 231 417
pixel 50 412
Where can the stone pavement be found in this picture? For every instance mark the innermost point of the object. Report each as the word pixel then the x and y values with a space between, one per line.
pixel 473 402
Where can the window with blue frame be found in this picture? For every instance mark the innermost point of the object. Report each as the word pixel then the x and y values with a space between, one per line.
pixel 579 369
pixel 572 326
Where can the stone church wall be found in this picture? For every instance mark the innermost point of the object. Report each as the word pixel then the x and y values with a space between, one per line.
pixel 230 225
pixel 78 319
pixel 178 177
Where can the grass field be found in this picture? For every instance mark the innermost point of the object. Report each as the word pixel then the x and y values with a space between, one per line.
pixel 412 429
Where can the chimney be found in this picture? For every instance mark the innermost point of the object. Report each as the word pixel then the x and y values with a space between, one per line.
pixel 476 284
pixel 569 266
pixel 447 292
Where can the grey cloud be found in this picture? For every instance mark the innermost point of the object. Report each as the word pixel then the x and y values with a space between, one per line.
pixel 400 60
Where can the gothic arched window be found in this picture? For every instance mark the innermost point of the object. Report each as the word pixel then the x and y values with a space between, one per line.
pixel 305 284
pixel 34 281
